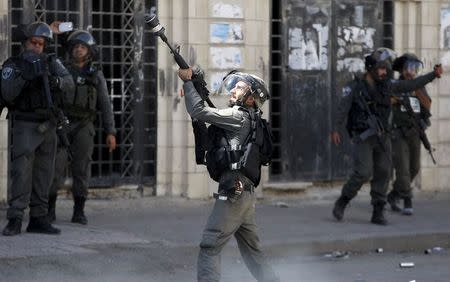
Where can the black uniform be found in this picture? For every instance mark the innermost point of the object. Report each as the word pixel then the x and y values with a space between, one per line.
pixel 406 143
pixel 90 95
pixel 33 133
pixel 233 213
pixel 371 157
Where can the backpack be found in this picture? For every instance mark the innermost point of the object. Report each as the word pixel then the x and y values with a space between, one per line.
pixel 256 150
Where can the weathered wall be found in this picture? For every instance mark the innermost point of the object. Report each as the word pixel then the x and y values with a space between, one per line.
pixel 418 29
pixel 4 43
pixel 189 23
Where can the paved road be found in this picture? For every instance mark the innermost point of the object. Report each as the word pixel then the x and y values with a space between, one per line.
pixel 155 239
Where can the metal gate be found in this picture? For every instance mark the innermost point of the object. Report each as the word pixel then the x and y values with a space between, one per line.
pixel 127 56
pixel 317 46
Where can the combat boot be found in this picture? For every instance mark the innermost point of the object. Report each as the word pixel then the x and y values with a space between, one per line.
pixel 52 208
pixel 378 215
pixel 78 211
pixel 339 207
pixel 13 227
pixel 41 225
pixel 407 207
pixel 393 202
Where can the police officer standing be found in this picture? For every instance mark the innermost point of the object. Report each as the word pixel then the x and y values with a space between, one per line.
pixel 90 96
pixel 411 113
pixel 234 210
pixel 33 127
pixel 366 105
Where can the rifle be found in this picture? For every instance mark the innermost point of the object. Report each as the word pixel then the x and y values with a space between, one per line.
pixel 373 122
pixel 420 125
pixel 199 127
pixel 57 115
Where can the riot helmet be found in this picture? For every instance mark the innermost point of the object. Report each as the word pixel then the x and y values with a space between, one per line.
pixel 380 58
pixel 38 29
pixel 408 63
pixel 254 86
pixel 82 37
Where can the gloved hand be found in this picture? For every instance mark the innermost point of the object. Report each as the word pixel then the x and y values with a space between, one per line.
pixel 33 65
pixel 438 70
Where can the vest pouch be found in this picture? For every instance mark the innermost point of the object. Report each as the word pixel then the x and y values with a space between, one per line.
pixel 92 99
pixel 251 163
pixel 81 97
pixel 267 142
pixel 217 162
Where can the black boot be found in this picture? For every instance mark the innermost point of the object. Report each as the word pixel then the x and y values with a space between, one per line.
pixel 407 207
pixel 378 215
pixel 78 211
pixel 42 225
pixel 13 227
pixel 393 202
pixel 339 207
pixel 52 208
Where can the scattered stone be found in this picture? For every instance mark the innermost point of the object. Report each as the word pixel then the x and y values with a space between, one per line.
pixel 282 204
pixel 406 264
pixel 338 254
pixel 379 250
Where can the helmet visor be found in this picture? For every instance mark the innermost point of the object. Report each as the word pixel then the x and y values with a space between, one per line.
pixel 386 54
pixel 412 67
pixel 230 82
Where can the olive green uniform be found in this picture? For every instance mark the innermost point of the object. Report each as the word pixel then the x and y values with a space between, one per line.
pixel 234 215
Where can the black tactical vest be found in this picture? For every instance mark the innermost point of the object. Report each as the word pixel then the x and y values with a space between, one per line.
pixel 83 104
pixel 378 100
pixel 247 158
pixel 32 97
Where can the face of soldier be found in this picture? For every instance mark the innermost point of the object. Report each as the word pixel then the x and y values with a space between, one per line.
pixel 411 69
pixel 238 92
pixel 381 73
pixel 35 44
pixel 80 52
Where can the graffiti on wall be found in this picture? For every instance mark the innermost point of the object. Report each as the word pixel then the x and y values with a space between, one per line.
pixel 308 39
pixel 355 39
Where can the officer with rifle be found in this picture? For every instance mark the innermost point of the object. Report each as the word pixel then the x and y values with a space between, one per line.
pixel 411 117
pixel 90 96
pixel 239 142
pixel 366 106
pixel 27 81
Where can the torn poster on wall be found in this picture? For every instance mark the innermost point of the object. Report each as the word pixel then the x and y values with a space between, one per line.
pixel 355 37
pixel 226 33
pixel 353 43
pixel 225 57
pixel 308 48
pixel 445 28
pixel 308 39
pixel 227 10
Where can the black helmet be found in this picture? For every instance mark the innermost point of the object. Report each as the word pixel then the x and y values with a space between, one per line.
pixel 381 57
pixel 407 61
pixel 38 29
pixel 82 37
pixel 257 89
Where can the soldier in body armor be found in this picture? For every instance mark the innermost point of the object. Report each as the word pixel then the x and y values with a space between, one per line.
pixel 90 96
pixel 234 210
pixel 33 127
pixel 366 106
pixel 406 140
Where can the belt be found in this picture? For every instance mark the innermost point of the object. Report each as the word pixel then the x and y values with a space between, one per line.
pixel 31 117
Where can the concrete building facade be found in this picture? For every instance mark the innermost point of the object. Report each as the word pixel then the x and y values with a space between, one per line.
pixel 220 35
